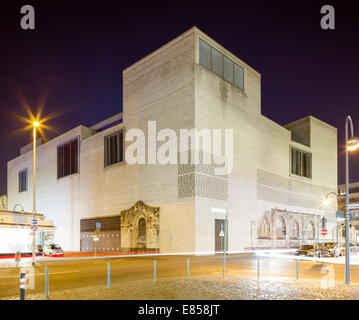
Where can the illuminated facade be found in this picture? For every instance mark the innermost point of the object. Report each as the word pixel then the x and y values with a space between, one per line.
pixel 275 192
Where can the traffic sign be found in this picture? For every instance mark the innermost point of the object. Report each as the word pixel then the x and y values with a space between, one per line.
pixel 324 232
pixel 98 225
pixel 34 225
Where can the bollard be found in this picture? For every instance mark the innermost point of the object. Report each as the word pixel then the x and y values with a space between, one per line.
pixel 257 267
pixel 47 282
pixel 187 268
pixel 22 286
pixel 154 271
pixel 108 275
pixel 297 269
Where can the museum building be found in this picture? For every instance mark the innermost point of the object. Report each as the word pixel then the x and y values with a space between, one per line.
pixel 274 194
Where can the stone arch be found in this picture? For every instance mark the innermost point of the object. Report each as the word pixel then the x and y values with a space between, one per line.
pixel 263 231
pixel 280 228
pixel 294 229
pixel 310 231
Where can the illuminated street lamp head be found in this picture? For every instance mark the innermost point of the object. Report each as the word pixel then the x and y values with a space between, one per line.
pixel 353 144
pixel 36 124
pixel 326 202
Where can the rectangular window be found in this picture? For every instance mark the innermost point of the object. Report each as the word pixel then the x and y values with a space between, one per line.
pixel 67 158
pixel 221 65
pixel 238 76
pixel 205 54
pixel 23 180
pixel 227 69
pixel 301 163
pixel 114 148
pixel 217 61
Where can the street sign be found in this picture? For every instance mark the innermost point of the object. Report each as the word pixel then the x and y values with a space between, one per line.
pixel 98 225
pixel 324 232
pixel 34 225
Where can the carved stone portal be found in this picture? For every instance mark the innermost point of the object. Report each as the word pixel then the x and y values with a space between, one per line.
pixel 140 227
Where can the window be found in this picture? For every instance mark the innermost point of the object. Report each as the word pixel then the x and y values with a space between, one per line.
pixel 114 148
pixel 228 69
pixel 301 163
pixel 295 230
pixel 263 231
pixel 280 228
pixel 23 180
pixel 238 76
pixel 221 65
pixel 141 238
pixel 205 54
pixel 310 232
pixel 67 158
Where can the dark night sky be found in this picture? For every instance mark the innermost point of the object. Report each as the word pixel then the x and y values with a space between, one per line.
pixel 74 59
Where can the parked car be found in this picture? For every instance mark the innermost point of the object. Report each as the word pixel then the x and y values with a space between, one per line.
pixel 52 250
pixel 333 249
pixel 309 250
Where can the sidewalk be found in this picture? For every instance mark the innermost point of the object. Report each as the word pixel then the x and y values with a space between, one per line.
pixel 209 288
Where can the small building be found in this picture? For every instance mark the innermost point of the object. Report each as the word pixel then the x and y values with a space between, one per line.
pixel 16 233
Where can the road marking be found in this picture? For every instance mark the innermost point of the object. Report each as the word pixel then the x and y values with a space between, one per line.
pixel 39 274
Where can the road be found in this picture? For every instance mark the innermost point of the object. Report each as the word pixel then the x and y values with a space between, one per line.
pixel 86 272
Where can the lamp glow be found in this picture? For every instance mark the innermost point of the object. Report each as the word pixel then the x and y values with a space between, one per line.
pixel 353 144
pixel 36 124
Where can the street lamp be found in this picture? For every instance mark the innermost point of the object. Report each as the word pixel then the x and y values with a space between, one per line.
pixel 350 145
pixel 35 124
pixel 226 212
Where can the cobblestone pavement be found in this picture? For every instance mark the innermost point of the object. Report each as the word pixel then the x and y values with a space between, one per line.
pixel 211 288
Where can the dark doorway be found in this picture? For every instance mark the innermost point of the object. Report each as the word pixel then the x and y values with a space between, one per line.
pixel 219 235
pixel 141 239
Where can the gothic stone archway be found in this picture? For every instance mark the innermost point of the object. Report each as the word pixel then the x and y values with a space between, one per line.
pixel 144 216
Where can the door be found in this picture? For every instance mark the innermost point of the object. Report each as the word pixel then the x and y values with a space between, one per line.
pixel 219 231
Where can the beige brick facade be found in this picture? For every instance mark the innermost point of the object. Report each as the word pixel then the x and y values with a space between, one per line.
pixel 170 87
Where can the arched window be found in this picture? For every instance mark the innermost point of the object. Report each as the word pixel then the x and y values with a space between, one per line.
pixel 310 232
pixel 141 231
pixel 280 228
pixel 263 229
pixel 294 232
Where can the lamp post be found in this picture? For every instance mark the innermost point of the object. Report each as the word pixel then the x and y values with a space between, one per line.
pixel 35 125
pixel 350 145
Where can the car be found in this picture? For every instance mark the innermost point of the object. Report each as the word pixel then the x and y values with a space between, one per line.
pixel 52 250
pixel 333 249
pixel 309 250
